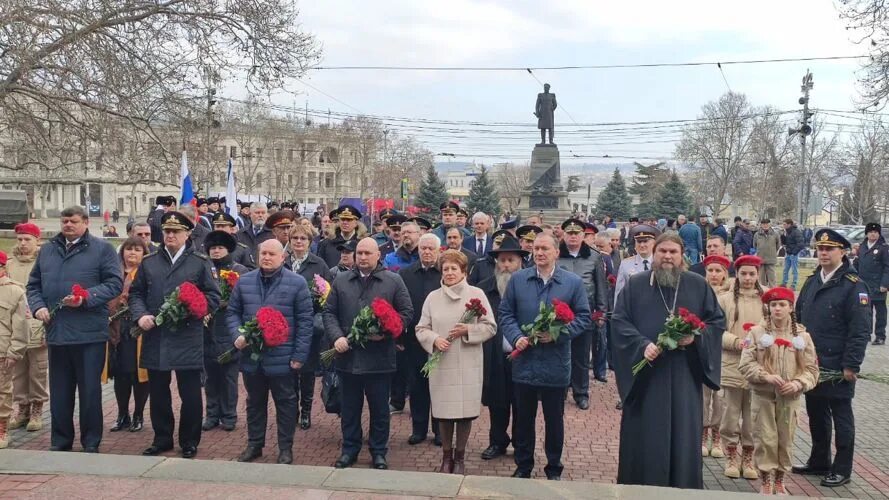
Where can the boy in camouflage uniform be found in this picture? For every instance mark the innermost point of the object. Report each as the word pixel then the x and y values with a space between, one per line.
pixel 13 341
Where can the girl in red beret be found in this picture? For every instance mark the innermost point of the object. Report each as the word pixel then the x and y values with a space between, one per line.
pixel 780 364
pixel 742 306
pixel 716 268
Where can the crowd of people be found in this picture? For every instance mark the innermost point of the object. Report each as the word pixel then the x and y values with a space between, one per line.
pixel 504 318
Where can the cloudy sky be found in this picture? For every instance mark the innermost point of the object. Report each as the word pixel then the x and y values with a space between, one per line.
pixel 520 33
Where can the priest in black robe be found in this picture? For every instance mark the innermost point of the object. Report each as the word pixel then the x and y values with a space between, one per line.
pixel 661 425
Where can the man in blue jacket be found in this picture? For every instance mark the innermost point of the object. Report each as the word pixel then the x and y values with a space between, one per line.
pixel 274 286
pixel 77 331
pixel 544 371
pixel 691 236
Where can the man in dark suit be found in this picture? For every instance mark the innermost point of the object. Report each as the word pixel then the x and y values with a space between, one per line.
pixel 256 232
pixel 454 241
pixel 480 242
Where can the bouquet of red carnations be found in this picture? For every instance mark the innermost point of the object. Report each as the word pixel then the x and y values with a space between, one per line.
pixel 675 328
pixel 267 329
pixel 186 302
pixel 379 318
pixel 78 292
pixel 474 310
pixel 552 319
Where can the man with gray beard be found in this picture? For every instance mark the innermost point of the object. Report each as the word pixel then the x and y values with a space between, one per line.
pixel 662 416
pixel 497 391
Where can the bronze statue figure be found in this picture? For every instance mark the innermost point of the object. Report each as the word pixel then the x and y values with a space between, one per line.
pixel 544 110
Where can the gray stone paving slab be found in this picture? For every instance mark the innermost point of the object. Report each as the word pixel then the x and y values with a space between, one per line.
pixel 234 472
pixel 494 487
pixel 75 463
pixel 387 481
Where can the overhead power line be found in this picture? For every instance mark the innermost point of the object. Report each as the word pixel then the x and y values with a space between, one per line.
pixel 587 66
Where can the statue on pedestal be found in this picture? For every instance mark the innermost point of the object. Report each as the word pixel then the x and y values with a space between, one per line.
pixel 545 110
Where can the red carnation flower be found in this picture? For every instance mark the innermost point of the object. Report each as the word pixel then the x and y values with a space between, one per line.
pixel 612 279
pixel 683 312
pixel 274 327
pixel 597 315
pixel 748 326
pixel 387 316
pixel 563 311
pixel 80 292
pixel 193 299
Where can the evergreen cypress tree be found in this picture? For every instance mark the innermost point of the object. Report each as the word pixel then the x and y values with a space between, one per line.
pixel 433 191
pixel 614 199
pixel 673 199
pixel 483 196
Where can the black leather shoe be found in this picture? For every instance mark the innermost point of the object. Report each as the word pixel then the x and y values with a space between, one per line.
pixel 189 451
pixel 807 470
pixel 91 449
pixel 522 474
pixel 59 448
pixel 583 403
pixel 602 379
pixel 493 451
pixel 834 480
pixel 436 440
pixel 879 342
pixel 138 423
pixel 210 425
pixel 305 421
pixel 553 477
pixel 250 454
pixel 155 450
pixel 285 457
pixel 227 427
pixel 120 424
pixel 416 439
pixel 344 461
pixel 619 405
pixel 380 463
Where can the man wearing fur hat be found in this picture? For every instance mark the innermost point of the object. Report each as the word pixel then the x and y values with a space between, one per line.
pixel 873 268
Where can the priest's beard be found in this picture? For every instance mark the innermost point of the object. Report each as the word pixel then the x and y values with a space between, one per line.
pixel 502 278
pixel 667 277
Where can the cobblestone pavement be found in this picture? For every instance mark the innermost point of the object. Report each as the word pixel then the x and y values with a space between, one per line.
pixel 591 443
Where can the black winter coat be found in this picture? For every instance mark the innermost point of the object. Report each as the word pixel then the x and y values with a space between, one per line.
pixel 162 348
pixel 327 248
pixel 420 283
pixel 484 269
pixel 349 294
pixel 311 266
pixel 873 267
pixel 251 241
pixel 217 337
pixel 838 316
pixel 794 243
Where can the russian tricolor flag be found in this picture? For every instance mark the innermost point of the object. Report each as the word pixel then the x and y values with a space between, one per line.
pixel 186 191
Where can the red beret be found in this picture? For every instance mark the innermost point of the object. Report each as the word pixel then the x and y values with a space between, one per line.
pixel 748 260
pixel 3 258
pixel 779 293
pixel 717 259
pixel 28 228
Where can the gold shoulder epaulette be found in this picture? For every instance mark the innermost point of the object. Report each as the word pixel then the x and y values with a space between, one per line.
pixel 852 277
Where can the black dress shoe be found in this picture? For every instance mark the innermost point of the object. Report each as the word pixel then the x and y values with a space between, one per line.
pixel 250 454
pixel 522 474
pixel 379 462
pixel 120 424
pixel 416 439
pixel 807 470
pixel 138 423
pixel 344 461
pixel 602 379
pixel 834 480
pixel 493 451
pixel 583 403
pixel 155 450
pixel 59 448
pixel 619 405
pixel 879 342
pixel 436 440
pixel 91 449
pixel 209 425
pixel 285 457
pixel 189 451
pixel 553 477
pixel 305 421
pixel 227 427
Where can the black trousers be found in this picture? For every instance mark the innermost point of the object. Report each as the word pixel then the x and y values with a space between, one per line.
pixel 418 388
pixel 600 351
pixel 401 379
pixel 258 386
pixel 524 429
pixel 824 415
pixel 188 382
pixel 580 364
pixel 354 389
pixel 126 384
pixel 221 388
pixel 304 388
pixel 76 369
pixel 879 303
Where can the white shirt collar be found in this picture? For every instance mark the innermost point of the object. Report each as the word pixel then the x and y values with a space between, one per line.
pixel 73 242
pixel 546 278
pixel 826 277
pixel 174 258
pixel 871 245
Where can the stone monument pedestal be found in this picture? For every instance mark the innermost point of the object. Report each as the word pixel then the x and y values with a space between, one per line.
pixel 545 192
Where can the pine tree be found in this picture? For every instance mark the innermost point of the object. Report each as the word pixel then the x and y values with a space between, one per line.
pixel 647 183
pixel 673 199
pixel 483 196
pixel 614 199
pixel 433 191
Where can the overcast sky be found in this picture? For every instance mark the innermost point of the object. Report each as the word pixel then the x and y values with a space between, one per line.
pixel 567 32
